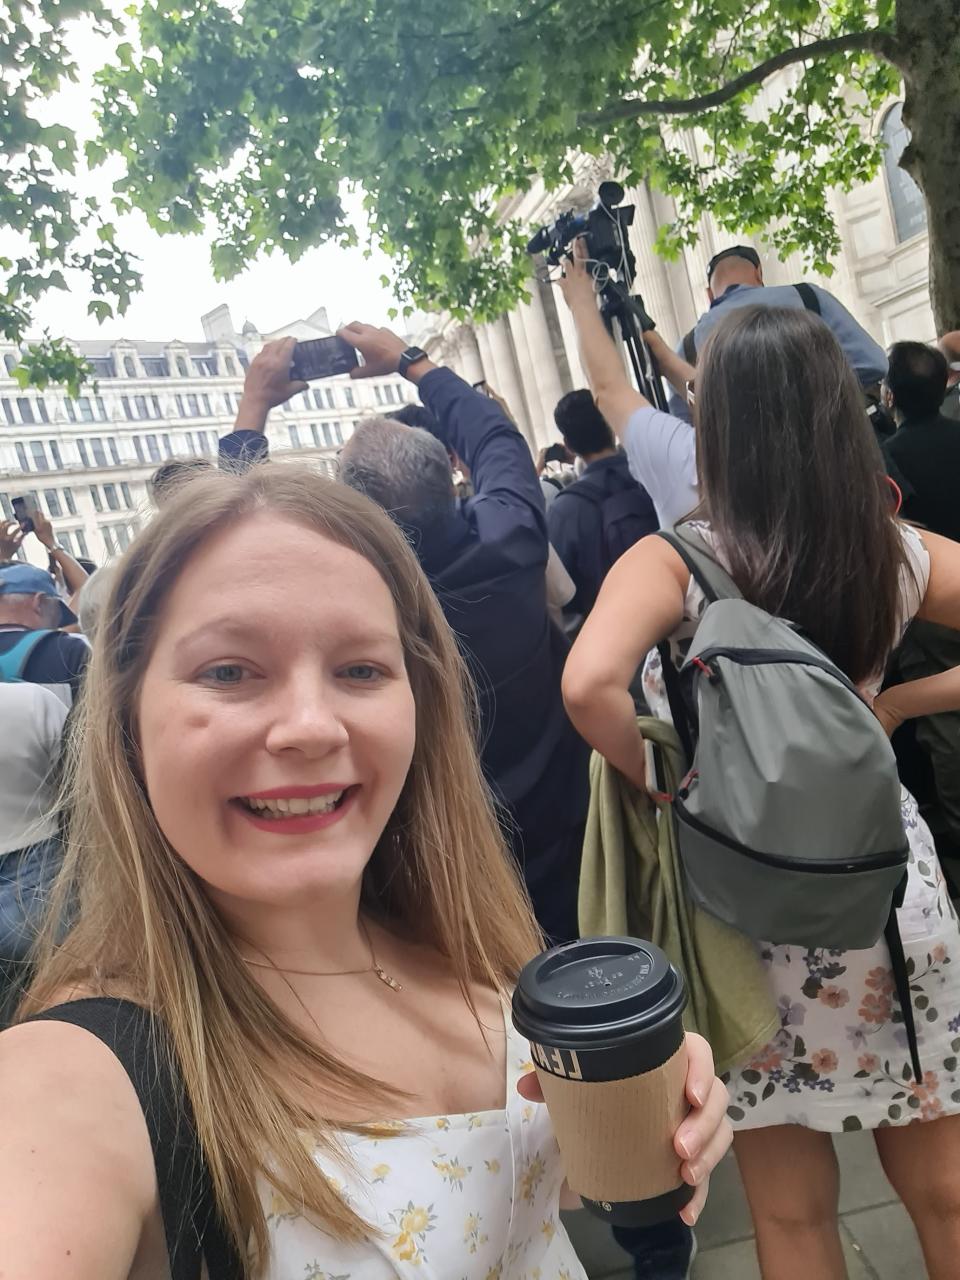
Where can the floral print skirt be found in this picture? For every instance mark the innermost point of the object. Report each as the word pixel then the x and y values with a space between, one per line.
pixel 840 1060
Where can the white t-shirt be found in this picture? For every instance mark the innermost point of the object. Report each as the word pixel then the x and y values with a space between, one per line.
pixel 662 452
pixel 32 718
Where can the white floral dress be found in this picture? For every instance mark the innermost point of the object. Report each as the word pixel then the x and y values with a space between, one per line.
pixel 840 1060
pixel 463 1197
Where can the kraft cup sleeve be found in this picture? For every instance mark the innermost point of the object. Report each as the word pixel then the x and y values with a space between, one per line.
pixel 616 1136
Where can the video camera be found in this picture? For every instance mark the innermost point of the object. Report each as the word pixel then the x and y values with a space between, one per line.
pixel 604 227
pixel 613 267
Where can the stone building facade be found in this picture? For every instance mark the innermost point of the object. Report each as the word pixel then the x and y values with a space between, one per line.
pixel 85 462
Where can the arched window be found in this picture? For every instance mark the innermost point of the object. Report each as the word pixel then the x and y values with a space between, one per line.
pixel 9 363
pixel 129 367
pixel 182 367
pixel 906 198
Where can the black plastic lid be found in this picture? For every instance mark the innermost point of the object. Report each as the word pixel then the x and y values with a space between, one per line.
pixel 597 993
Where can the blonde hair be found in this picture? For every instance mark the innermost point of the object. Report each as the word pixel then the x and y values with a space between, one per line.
pixel 143 926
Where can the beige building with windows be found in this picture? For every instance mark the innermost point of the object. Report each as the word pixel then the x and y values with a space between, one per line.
pixel 530 355
pixel 86 461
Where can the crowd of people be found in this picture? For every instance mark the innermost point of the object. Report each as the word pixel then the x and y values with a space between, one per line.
pixel 292 791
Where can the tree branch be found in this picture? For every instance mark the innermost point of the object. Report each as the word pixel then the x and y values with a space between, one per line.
pixel 876 39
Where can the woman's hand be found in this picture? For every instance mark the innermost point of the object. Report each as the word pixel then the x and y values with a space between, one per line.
pixel 703 1138
pixel 576 282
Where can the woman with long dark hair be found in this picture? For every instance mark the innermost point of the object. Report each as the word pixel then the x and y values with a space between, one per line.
pixel 795 505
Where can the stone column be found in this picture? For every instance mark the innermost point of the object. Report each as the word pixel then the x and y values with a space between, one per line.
pixel 538 367
pixel 652 280
pixel 526 373
pixel 471 367
pixel 571 344
pixel 500 370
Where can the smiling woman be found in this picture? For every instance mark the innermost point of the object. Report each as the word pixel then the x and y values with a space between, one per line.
pixel 283 862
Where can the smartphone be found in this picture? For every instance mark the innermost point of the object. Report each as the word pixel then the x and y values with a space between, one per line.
pixel 556 453
pixel 322 358
pixel 21 513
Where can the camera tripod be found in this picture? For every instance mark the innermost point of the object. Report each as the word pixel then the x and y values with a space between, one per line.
pixel 617 304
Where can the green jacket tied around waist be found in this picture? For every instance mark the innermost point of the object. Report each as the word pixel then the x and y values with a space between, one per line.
pixel 631 883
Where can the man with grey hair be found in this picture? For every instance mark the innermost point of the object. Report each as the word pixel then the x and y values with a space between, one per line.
pixel 486 558
pixel 404 469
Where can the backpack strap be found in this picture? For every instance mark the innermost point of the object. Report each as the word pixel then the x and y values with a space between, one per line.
pixel 809 297
pixel 901 980
pixel 716 584
pixel 191 1223
pixel 586 488
pixel 690 347
pixel 712 579
pixel 13 663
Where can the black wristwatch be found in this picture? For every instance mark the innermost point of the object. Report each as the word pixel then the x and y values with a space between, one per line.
pixel 411 356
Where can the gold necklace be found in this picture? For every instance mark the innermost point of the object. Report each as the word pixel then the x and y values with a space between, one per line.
pixel 373 967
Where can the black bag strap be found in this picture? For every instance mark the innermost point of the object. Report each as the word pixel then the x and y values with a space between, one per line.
pixel 679 711
pixel 902 981
pixel 191 1223
pixel 809 297
pixel 716 584
pixel 690 347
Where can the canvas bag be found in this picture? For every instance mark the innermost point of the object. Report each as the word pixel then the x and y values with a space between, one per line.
pixel 788 821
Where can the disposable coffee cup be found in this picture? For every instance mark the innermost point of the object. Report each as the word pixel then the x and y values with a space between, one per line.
pixel 604 1021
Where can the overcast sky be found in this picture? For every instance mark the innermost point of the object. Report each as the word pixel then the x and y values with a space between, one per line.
pixel 178 283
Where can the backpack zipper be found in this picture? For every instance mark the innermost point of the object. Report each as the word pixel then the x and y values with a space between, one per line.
pixel 876 861
pixel 764 657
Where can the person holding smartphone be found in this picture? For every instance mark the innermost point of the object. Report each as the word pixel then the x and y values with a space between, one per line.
pixel 32 646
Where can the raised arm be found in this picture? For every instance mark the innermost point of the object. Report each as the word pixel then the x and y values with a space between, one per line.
pixel 74 575
pixel 470 423
pixel 640 602
pixel 267 384
pixel 941 604
pixel 616 396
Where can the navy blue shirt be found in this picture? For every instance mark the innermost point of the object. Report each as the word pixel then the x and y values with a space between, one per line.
pixel 575 525
pixel 924 458
pixel 487 564
pixel 58 661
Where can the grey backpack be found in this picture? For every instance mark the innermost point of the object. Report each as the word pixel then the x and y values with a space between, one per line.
pixel 788 821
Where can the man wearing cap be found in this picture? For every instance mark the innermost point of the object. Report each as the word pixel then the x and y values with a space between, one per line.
pixel 31 646
pixel 735 279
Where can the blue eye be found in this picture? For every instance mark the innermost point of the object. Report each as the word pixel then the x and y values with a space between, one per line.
pixel 225 673
pixel 363 672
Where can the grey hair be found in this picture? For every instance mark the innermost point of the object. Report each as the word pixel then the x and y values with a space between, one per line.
pixel 92 598
pixel 404 469
pixel 13 601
